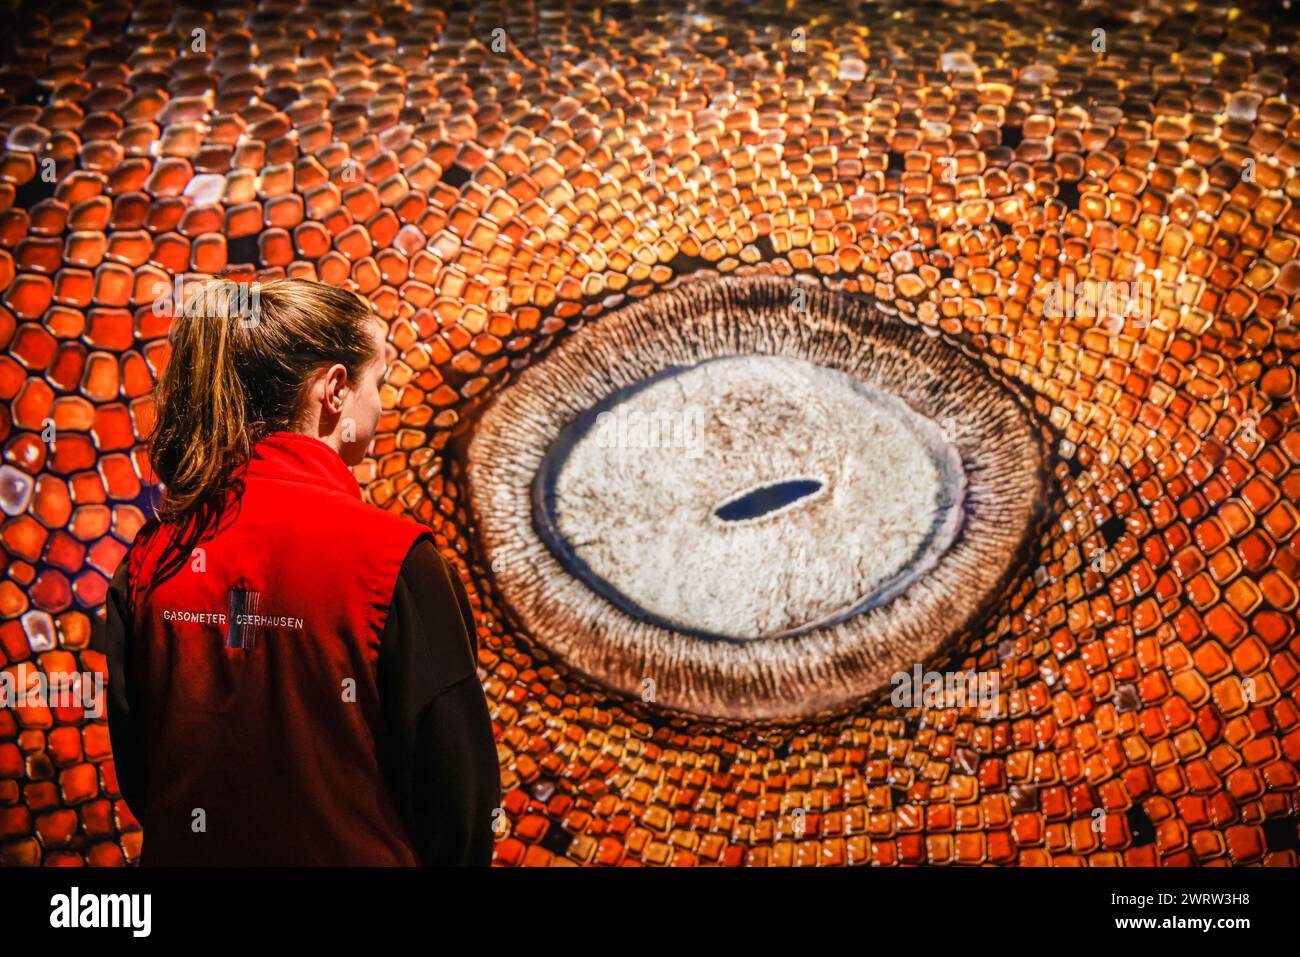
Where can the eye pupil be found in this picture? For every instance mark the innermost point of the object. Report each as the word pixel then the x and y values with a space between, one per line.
pixel 766 498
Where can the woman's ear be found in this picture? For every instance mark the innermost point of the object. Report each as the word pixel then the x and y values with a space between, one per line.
pixel 323 401
pixel 336 389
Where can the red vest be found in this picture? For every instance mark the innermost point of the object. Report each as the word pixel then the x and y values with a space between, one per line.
pixel 256 666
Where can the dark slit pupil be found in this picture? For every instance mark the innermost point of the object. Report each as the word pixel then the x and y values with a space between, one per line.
pixel 766 499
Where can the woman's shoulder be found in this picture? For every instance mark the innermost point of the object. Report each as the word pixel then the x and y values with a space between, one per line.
pixel 376 520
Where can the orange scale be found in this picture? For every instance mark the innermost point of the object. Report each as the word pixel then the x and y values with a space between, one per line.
pixel 324 200
pixel 1245 843
pixel 33 346
pixel 102 155
pixel 1201 590
pixel 338 221
pixel 91 522
pixel 51 591
pixel 114 285
pixel 1280 775
pixel 28 296
pixel 26 450
pixel 456 335
pixel 1216 490
pixel 1225 624
pixel 120 479
pixel 17 167
pixel 130 211
pixel 1281 521
pixel 130 247
pixel 393 267
pixel 201 220
pixel 309 173
pixel 170 252
pixel 1166 587
pixel 1279 590
pixel 64 746
pixel 270 128
pixel 208 253
pixel 486 345
pixel 32 407
pixel 1272 464
pixel 1188 626
pixel 382 167
pixel 73 414
pixel 1211 660
pixel 65 552
pixel 1250 656
pixel 107 554
pixel 365 273
pixel 86 249
pixel 90 587
pixel 1236 518
pixel 110 329
pixel 112 428
pixel 1256 550
pixel 1210 723
pixel 101 381
pixel 1188 562
pixel 1224 566
pixel 165 213
pixel 79 187
pixel 410 207
pixel 14 225
pixel 24 537
pixel 72 453
pixel 275 248
pixel 169 178
pixel 1146 615
pixel 334 268
pixel 1279 382
pixel 311 239
pixel 277 178
pixel 98 822
pixel 354 242
pixel 383 228
pixel 130 175
pixel 49 217
pixel 1259 494
pixel 64 323
pixel 151 326
pixel 285 212
pixel 213 158
pixel 151 284
pixel 39 255
pixel 92 215
pixel 127 521
pixel 87 488
pixel 386 302
pixel 74 287
pixel 301 269
pixel 434 219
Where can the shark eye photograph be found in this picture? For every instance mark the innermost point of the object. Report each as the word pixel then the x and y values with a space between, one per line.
pixel 853 441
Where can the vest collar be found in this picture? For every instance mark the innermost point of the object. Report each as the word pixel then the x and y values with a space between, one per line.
pixel 294 457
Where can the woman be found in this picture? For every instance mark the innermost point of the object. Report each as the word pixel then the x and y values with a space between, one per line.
pixel 291 671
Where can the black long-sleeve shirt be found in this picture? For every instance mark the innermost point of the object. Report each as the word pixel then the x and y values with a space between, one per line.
pixel 437 753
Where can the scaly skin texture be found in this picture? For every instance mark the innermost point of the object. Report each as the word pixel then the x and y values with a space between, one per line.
pixel 493 176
